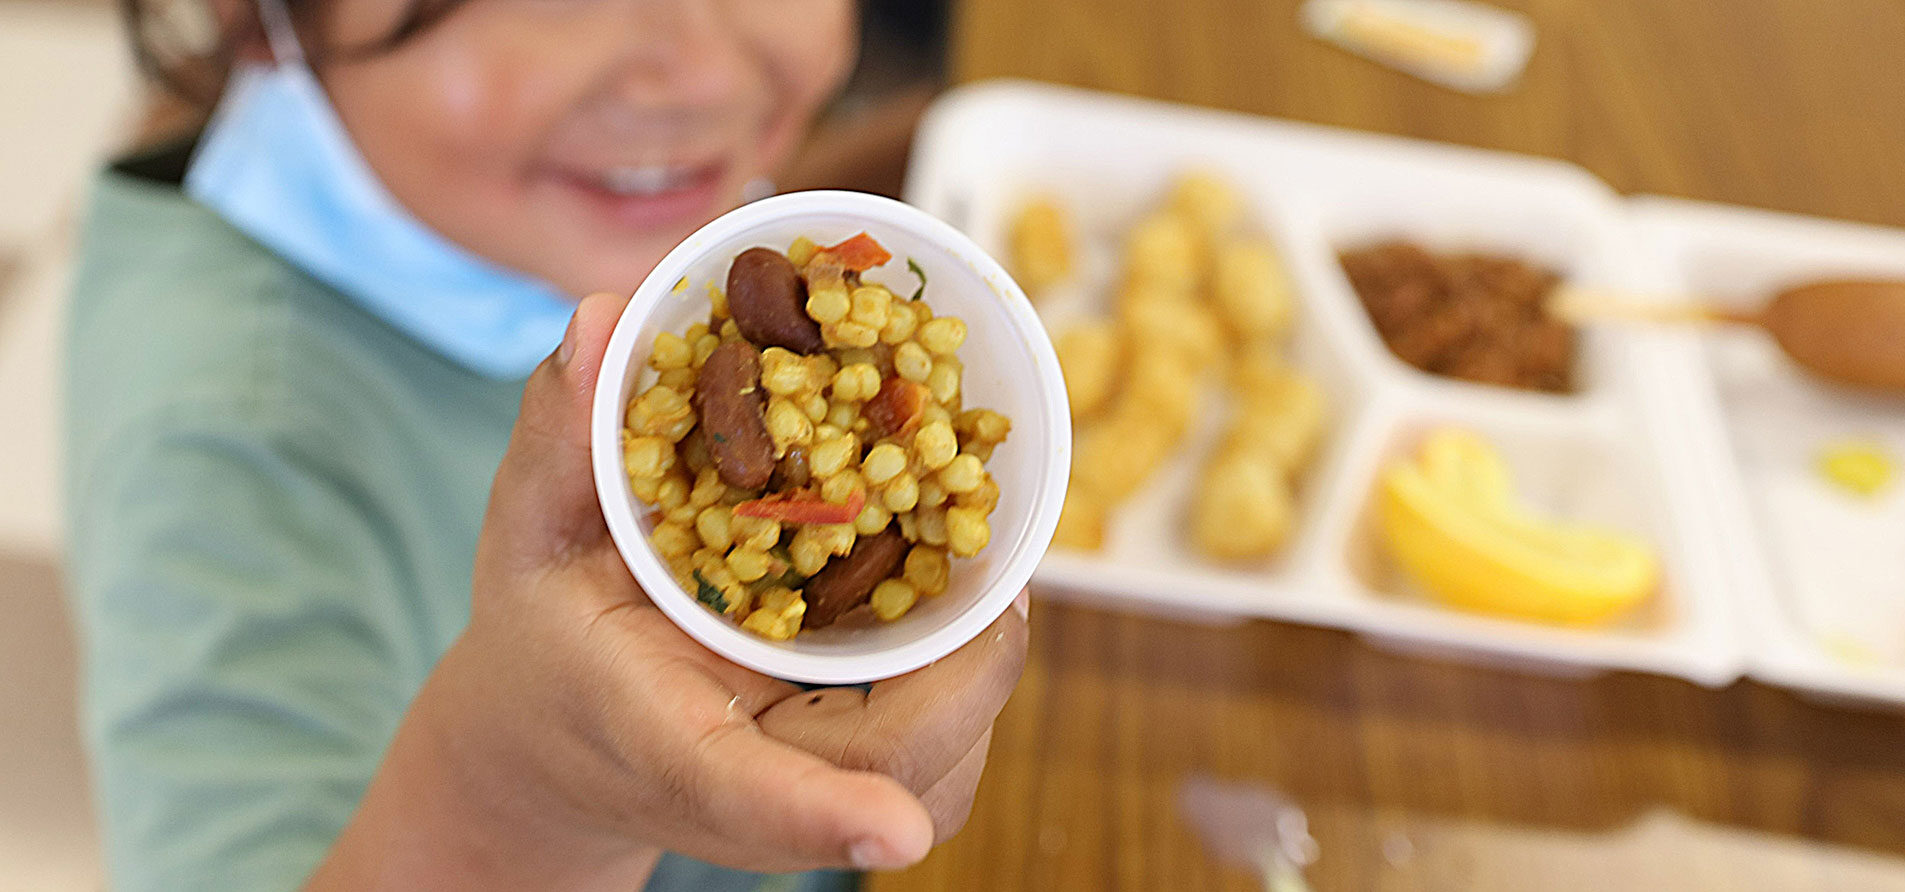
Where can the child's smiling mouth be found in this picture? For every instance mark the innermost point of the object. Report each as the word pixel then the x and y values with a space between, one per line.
pixel 646 196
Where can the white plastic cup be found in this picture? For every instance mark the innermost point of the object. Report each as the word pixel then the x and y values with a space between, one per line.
pixel 1009 367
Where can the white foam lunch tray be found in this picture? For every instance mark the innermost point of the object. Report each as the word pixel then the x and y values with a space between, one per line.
pixel 1673 434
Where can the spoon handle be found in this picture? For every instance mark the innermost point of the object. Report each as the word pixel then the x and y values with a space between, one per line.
pixel 1580 306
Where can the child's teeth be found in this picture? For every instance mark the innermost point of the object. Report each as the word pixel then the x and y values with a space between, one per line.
pixel 641 180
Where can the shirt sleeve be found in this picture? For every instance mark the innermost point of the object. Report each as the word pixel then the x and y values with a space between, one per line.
pixel 249 649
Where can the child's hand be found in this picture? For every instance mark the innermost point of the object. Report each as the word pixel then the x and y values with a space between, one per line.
pixel 573 731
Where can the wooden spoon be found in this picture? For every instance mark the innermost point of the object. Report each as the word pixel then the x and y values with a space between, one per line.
pixel 1846 330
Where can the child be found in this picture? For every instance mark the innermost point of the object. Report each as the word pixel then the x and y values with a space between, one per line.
pixel 299 346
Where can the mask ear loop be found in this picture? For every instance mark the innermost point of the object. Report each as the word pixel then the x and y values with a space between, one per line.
pixel 279 32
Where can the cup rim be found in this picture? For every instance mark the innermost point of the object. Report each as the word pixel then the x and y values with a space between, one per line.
pixel 619 505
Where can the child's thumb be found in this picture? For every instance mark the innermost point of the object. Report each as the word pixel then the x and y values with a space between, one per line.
pixel 543 503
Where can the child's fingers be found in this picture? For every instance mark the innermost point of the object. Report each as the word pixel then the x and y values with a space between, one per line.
pixel 926 720
pixel 543 504
pixel 914 728
pixel 792 810
pixel 950 799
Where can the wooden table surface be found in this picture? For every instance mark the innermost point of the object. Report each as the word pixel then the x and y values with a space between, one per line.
pixel 1415 773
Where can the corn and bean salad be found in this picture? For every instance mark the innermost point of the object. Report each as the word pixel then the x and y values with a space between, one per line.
pixel 807 451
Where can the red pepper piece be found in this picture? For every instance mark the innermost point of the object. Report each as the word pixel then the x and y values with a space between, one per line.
pixel 802 506
pixel 895 410
pixel 858 254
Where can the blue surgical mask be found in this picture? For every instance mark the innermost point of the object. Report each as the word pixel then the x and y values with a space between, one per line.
pixel 277 163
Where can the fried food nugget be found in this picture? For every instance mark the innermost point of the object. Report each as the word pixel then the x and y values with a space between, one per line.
pixel 1088 354
pixel 1244 508
pixel 1251 288
pixel 1041 245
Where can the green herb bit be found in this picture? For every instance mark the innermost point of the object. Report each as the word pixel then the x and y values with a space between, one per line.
pixel 914 266
pixel 707 594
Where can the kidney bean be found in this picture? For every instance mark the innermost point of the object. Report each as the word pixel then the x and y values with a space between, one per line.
pixel 769 302
pixel 847 582
pixel 733 410
pixel 792 472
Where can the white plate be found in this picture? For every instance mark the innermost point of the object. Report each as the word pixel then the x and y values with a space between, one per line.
pixel 1819 572
pixel 1609 453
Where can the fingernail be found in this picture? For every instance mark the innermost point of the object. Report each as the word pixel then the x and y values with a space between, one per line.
pixel 872 854
pixel 1023 604
pixel 566 350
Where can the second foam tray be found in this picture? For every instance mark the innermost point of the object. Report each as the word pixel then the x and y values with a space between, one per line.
pixel 1612 452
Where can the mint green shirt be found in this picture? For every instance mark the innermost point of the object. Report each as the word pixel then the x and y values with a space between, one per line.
pixel 275 500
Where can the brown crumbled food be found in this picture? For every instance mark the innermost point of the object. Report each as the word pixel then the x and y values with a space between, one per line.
pixel 1477 317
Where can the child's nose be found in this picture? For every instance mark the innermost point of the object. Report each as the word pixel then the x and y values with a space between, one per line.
pixel 681 53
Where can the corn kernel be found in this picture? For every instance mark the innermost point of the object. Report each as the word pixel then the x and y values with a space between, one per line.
pixel 808 552
pixel 982 426
pixel 943 335
pixel 962 474
pixel 831 455
pixel 673 492
pixel 836 538
pixel 892 598
pixel 935 444
pixel 856 383
pixel 778 615
pixel 787 424
pixel 882 462
pixel 801 251
pixel 695 332
pixel 934 413
pixel 900 493
pixel 843 415
pixel 708 488
pixel 663 412
pixel 901 322
pixel 718 303
pixel 853 334
pixel 944 379
pixel 647 489
pixel 982 498
pixel 755 533
pixel 704 347
pixel 684 515
pixel 715 527
pixel 679 379
pixel 931 525
pixel 814 406
pixel 839 488
pixel 730 331
pixel 783 373
pixel 912 362
pixel 928 569
pixel 873 518
pixel 749 564
pixel 870 307
pixel 829 304
pixel 649 457
pixel 672 540
pixel 931 494
pixel 966 531
pixel 714 569
pixel 671 352
pixel 711 572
